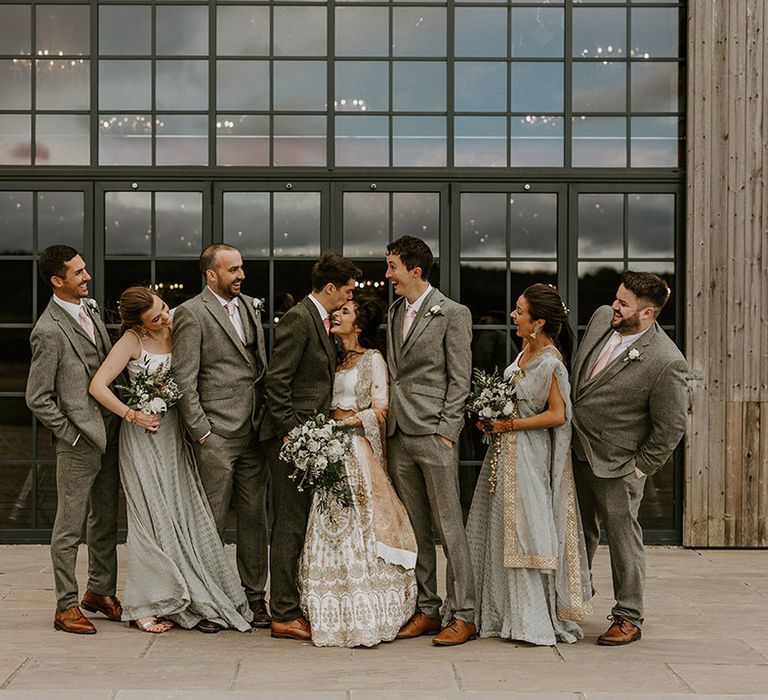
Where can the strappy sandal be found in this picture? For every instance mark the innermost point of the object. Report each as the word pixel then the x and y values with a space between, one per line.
pixel 148 624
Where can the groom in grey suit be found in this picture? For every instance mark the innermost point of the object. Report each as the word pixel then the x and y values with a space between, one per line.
pixel 629 413
pixel 220 362
pixel 69 343
pixel 430 364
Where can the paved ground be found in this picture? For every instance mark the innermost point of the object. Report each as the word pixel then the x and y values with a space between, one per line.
pixel 706 635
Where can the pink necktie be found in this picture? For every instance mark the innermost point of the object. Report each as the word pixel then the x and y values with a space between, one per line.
pixel 234 317
pixel 327 324
pixel 410 315
pixel 86 324
pixel 605 356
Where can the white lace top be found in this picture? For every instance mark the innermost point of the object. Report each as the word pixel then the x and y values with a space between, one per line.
pixel 344 395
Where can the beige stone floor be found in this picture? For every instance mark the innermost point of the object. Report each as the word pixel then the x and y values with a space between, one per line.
pixel 706 635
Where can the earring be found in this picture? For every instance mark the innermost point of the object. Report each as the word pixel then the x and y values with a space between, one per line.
pixel 144 332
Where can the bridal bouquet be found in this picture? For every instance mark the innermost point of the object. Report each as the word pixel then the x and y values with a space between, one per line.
pixel 317 448
pixel 152 391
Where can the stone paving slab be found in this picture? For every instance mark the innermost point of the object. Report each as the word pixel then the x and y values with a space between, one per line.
pixel 706 678
pixel 56 694
pixel 228 695
pixel 9 664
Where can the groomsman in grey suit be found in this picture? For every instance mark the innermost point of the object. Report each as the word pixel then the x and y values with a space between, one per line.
pixel 299 385
pixel 220 362
pixel 629 413
pixel 69 343
pixel 430 364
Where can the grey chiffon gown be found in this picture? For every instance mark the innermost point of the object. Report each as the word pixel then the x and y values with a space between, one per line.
pixel 177 567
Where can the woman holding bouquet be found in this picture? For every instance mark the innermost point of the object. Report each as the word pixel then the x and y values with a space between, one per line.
pixel 525 534
pixel 356 574
pixel 177 570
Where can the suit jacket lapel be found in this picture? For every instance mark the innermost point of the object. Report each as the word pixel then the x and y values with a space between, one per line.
pixel 258 338
pixel 101 329
pixel 325 339
pixel 422 319
pixel 217 311
pixel 69 328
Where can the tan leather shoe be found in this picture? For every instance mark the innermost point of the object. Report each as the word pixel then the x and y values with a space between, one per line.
pixel 419 624
pixel 72 620
pixel 295 629
pixel 457 632
pixel 107 605
pixel 620 632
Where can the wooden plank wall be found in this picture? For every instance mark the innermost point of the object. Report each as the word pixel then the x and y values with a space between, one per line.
pixel 726 469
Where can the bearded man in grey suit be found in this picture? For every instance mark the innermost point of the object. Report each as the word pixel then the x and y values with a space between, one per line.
pixel 429 355
pixel 69 343
pixel 220 362
pixel 299 385
pixel 629 413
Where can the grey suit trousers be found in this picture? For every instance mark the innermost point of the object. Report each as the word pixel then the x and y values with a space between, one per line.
pixel 614 504
pixel 235 468
pixel 87 483
pixel 426 476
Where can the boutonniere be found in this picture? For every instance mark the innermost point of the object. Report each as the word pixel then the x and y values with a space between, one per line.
pixel 436 310
pixel 92 305
pixel 632 355
pixel 259 305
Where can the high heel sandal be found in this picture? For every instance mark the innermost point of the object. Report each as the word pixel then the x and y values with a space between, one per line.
pixel 146 624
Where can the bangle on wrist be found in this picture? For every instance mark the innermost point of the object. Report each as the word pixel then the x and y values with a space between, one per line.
pixel 512 424
pixel 130 416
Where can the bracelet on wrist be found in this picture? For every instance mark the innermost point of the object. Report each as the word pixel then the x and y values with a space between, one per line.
pixel 130 416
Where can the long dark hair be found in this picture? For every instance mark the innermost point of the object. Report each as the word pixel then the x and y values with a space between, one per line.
pixel 369 312
pixel 545 304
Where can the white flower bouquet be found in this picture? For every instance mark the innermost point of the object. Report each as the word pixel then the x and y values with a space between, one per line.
pixel 491 398
pixel 317 448
pixel 152 391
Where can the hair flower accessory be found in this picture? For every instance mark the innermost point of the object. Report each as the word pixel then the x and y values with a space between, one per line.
pixel 436 310
pixel 633 354
pixel 259 305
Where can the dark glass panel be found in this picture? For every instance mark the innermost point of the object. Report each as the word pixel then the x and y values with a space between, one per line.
pixel 651 225
pixel 17 507
pixel 484 291
pixel 16 79
pixel 366 224
pixel 125 85
pixel 483 225
pixel 599 142
pixel 45 443
pixel 599 32
pixel 15 29
pixel 480 31
pixel 533 224
pixel 656 142
pixel 63 84
pixel 536 86
pixel 655 32
pixel 179 223
pixel 417 214
pixel 125 139
pixel 242 140
pixel 47 499
pixel 118 276
pixel 15 429
pixel 257 285
pixel 246 222
pixel 292 277
pixel 537 32
pixel 17 275
pixel 656 87
pixel 128 223
pixel 60 219
pixel 522 275
pixel 418 86
pixel 299 31
pixel 296 218
pixel 599 86
pixel 480 86
pixel 63 139
pixel 598 282
pixel 15 223
pixel 181 139
pixel 362 140
pixel 242 31
pixel 657 509
pixel 125 30
pixel 299 140
pixel 181 30
pixel 300 85
pixel 361 86
pixel 373 284
pixel 419 141
pixel 181 85
pixel 480 142
pixel 601 225
pixel 16 355
pixel 177 280
pixel 419 31
pixel 536 140
pixel 63 30
pixel 665 270
pixel 242 85
pixel 362 31
pixel 15 139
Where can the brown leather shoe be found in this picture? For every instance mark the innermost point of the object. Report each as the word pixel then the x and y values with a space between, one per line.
pixel 107 605
pixel 455 633
pixel 419 624
pixel 620 632
pixel 208 627
pixel 261 618
pixel 295 629
pixel 72 620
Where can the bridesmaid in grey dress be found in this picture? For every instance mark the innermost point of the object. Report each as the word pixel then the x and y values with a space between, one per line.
pixel 524 529
pixel 178 572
